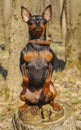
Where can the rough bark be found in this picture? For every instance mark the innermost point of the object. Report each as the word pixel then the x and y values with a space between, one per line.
pixel 2 40
pixel 7 6
pixel 62 20
pixel 17 40
pixel 73 36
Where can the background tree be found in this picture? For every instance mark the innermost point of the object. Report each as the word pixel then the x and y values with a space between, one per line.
pixel 73 32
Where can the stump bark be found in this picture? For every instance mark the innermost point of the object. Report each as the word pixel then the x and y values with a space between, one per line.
pixel 45 118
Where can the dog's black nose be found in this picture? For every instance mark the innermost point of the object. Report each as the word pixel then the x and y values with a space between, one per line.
pixel 37 23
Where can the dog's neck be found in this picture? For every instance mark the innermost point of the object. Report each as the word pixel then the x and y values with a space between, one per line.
pixel 43 37
pixel 40 40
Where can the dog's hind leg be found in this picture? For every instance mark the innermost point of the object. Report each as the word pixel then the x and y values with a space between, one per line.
pixel 55 106
pixel 24 86
pixel 23 98
pixel 46 88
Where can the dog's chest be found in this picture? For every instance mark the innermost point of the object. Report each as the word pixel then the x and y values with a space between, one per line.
pixel 34 51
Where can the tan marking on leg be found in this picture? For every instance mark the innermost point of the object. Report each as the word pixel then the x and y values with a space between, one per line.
pixel 23 107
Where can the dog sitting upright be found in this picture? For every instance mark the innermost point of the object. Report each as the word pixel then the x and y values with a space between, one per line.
pixel 37 62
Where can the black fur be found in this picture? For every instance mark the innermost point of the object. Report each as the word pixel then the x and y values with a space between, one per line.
pixel 55 64
pixel 37 68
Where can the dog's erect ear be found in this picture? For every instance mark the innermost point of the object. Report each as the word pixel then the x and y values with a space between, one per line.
pixel 25 14
pixel 47 14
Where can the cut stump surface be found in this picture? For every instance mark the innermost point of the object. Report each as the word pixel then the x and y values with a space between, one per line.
pixel 45 118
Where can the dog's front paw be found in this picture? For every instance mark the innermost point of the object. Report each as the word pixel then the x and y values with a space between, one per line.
pixel 55 106
pixel 22 95
pixel 23 107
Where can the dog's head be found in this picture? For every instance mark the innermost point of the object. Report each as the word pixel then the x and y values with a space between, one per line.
pixel 37 23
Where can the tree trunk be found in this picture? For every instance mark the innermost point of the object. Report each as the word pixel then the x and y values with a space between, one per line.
pixel 2 41
pixel 73 36
pixel 62 20
pixel 46 118
pixel 7 14
pixel 17 41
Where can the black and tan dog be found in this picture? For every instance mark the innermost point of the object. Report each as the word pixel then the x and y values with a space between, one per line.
pixel 37 62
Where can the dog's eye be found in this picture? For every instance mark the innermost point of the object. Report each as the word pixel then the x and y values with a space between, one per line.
pixel 43 21
pixel 32 21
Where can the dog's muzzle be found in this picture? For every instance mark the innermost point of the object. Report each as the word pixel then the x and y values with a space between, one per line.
pixel 37 31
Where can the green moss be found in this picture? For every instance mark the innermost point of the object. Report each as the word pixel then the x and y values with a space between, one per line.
pixel 70 64
pixel 72 79
pixel 79 64
pixel 2 91
pixel 1 116
pixel 7 93
pixel 56 76
pixel 4 54
pixel 11 109
pixel 69 50
pixel 78 118
pixel 75 101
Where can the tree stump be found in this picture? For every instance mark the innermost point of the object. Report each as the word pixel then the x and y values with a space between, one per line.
pixel 45 118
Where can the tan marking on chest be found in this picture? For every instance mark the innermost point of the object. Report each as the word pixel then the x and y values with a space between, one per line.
pixel 44 54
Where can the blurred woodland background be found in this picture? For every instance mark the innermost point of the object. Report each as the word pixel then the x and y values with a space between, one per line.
pixel 64 30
